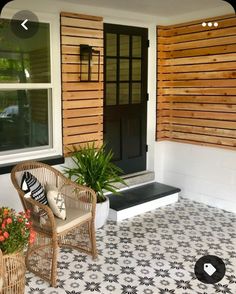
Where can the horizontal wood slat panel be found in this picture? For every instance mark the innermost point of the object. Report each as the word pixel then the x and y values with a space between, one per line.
pixel 82 101
pixel 198 44
pixel 199 99
pixel 199 76
pixel 196 84
pixel 82 121
pixel 198 68
pixel 84 112
pixel 199 106
pixel 81 23
pixel 82 138
pixel 80 95
pixel 82 104
pixel 69 40
pixel 192 27
pixel 83 130
pixel 225 83
pixel 199 59
pixel 198 52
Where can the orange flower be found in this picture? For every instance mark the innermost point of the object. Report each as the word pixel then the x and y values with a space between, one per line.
pixel 3 225
pixel 9 220
pixel 2 238
pixel 20 220
pixel 6 235
pixel 5 211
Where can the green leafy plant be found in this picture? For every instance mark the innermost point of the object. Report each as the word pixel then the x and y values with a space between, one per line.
pixel 15 230
pixel 93 168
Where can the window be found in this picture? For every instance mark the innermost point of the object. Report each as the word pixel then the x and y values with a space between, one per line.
pixel 27 103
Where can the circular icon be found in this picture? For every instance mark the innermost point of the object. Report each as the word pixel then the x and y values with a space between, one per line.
pixel 24 24
pixel 209 269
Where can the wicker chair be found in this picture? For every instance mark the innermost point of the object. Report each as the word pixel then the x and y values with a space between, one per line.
pixel 77 231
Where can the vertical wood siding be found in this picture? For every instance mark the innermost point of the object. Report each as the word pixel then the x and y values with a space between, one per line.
pixel 82 101
pixel 196 84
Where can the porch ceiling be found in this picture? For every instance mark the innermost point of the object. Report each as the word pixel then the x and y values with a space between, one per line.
pixel 162 8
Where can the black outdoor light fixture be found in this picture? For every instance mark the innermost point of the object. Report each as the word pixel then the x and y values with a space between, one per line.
pixel 89 71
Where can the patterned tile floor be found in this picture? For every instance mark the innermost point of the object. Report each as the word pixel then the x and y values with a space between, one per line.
pixel 153 253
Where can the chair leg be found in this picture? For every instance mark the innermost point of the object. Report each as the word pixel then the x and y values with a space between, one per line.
pixel 93 239
pixel 54 263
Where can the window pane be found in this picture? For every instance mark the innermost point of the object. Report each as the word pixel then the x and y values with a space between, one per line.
pixel 111 69
pixel 136 70
pixel 124 69
pixel 111 44
pixel 124 45
pixel 136 93
pixel 24 60
pixel 124 93
pixel 24 119
pixel 137 48
pixel 111 94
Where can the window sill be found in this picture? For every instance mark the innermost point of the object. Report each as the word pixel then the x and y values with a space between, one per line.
pixel 6 168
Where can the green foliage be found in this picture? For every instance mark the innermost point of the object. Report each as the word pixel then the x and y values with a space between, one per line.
pixel 93 168
pixel 15 230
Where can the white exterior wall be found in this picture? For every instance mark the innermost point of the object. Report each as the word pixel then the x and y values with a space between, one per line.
pixel 204 174
pixel 51 9
pixel 167 169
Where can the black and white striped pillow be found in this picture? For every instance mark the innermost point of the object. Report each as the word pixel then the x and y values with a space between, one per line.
pixel 30 184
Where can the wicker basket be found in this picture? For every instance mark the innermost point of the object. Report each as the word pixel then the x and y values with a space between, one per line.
pixel 12 273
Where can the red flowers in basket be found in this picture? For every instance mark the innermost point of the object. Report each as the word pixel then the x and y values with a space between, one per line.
pixel 15 230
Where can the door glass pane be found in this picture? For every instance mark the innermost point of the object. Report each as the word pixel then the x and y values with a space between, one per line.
pixel 24 119
pixel 136 69
pixel 24 60
pixel 124 45
pixel 111 69
pixel 124 93
pixel 137 48
pixel 111 44
pixel 136 93
pixel 111 94
pixel 124 69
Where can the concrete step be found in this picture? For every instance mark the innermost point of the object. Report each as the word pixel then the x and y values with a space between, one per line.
pixel 137 179
pixel 141 199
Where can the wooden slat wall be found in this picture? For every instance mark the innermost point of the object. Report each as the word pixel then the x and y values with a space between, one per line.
pixel 196 100
pixel 82 101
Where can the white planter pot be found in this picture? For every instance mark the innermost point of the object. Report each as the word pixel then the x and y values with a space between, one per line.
pixel 102 211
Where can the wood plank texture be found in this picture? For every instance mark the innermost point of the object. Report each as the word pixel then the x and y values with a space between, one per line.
pixel 82 101
pixel 196 83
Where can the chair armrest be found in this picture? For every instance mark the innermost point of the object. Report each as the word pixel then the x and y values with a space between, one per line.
pixel 41 216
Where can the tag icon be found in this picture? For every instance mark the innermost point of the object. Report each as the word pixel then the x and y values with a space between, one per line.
pixel 209 269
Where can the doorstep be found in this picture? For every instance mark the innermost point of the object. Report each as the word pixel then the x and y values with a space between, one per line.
pixel 141 199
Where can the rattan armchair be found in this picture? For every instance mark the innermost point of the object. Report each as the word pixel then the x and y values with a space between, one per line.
pixel 77 231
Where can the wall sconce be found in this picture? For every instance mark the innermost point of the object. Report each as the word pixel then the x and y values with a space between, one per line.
pixel 89 70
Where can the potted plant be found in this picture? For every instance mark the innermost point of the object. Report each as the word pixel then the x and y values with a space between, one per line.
pixel 93 168
pixel 15 234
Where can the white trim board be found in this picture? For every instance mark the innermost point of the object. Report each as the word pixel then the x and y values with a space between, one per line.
pixel 141 208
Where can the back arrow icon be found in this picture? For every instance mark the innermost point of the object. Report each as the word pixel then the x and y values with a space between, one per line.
pixel 23 24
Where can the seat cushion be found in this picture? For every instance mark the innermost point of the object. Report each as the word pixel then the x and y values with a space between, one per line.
pixel 74 216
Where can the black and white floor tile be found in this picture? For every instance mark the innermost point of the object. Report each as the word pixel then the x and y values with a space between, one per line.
pixel 153 253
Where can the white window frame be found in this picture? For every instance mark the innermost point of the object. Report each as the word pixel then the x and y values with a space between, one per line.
pixel 55 86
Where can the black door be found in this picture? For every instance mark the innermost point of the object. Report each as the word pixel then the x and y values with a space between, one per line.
pixel 125 108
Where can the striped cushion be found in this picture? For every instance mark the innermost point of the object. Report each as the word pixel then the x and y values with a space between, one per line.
pixel 30 184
